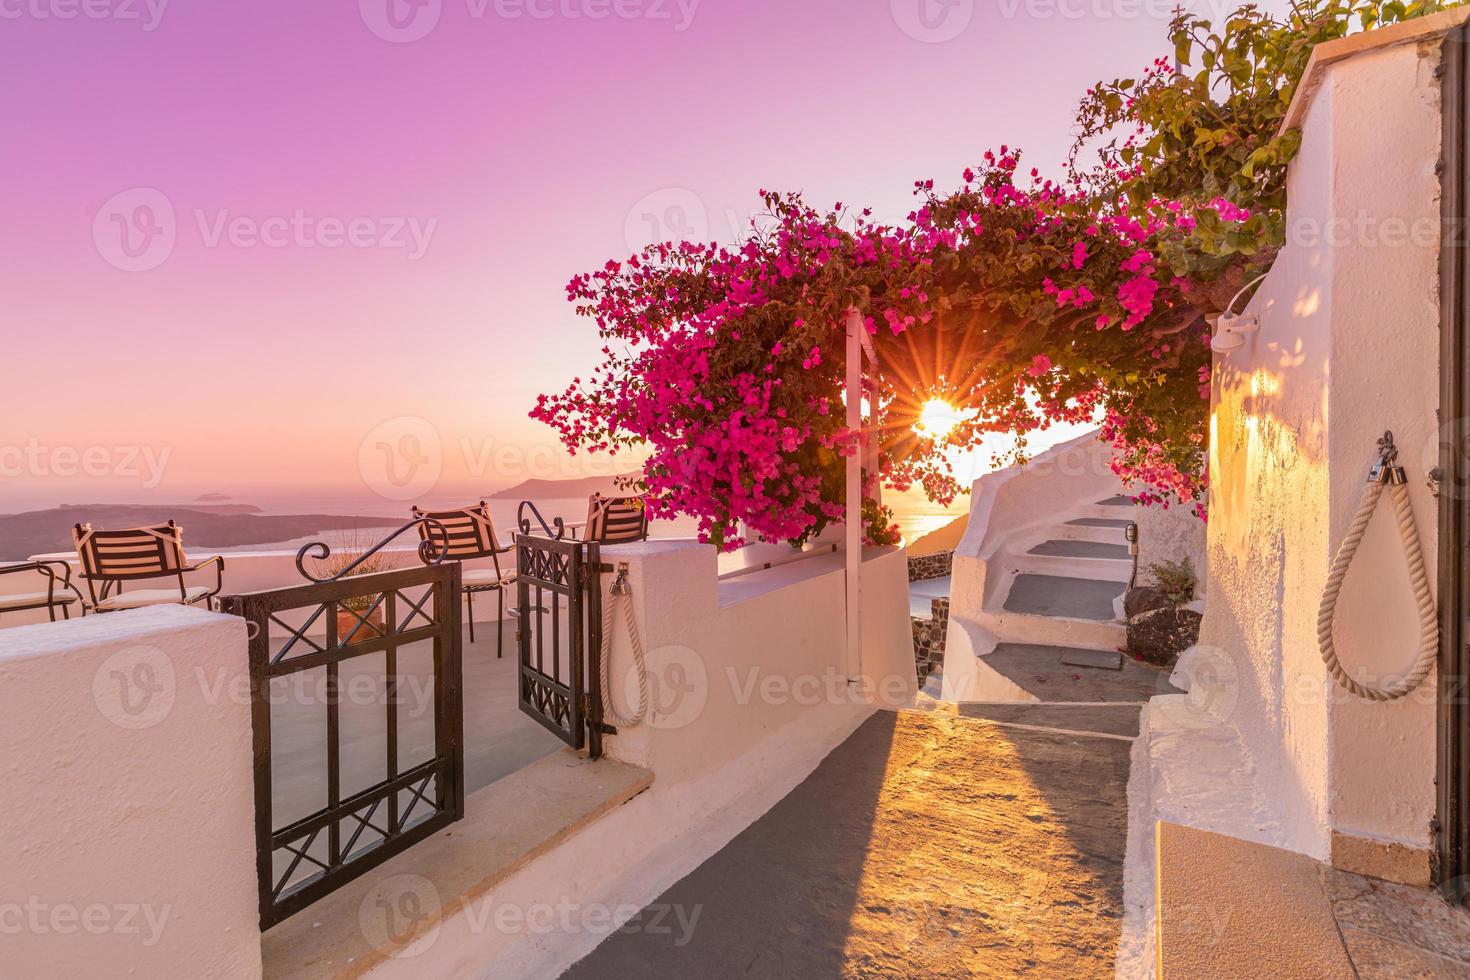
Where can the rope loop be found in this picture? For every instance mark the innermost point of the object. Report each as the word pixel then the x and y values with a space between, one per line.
pixel 622 596
pixel 1385 473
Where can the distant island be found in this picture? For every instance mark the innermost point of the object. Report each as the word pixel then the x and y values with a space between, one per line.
pixel 205 525
pixel 565 489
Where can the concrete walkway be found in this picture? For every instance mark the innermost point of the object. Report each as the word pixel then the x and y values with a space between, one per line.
pixel 926 845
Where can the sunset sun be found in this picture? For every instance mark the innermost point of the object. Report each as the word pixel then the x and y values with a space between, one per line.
pixel 937 419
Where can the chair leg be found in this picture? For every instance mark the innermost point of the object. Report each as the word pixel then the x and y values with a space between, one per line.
pixel 470 598
pixel 500 625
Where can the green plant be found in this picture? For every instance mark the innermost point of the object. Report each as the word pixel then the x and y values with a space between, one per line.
pixel 1175 579
pixel 339 562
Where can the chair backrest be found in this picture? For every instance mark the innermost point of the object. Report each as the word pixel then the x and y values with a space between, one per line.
pixel 616 520
pixel 470 531
pixel 140 552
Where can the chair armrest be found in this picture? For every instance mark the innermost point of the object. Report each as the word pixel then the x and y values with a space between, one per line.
pixel 48 564
pixel 218 561
pixel 47 567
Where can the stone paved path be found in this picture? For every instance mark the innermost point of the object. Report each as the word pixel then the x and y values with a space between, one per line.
pixel 1038 670
pixel 926 845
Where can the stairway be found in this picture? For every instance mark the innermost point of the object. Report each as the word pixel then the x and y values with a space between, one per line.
pixel 1054 595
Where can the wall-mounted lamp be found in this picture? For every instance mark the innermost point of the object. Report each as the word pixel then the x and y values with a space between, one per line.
pixel 1231 328
pixel 1130 534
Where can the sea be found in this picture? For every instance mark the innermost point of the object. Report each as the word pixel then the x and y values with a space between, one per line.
pixel 914 513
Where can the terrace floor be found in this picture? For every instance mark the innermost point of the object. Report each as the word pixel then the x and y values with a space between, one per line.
pixel 499 738
pixel 925 845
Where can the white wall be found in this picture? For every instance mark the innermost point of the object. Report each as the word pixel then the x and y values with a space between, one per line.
pixel 1348 347
pixel 127 832
pixel 732 660
pixel 128 740
pixel 1167 534
pixel 750 694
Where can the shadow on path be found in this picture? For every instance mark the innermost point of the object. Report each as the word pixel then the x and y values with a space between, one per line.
pixel 926 845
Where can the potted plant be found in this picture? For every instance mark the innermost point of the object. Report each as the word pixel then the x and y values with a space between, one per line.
pixel 352 611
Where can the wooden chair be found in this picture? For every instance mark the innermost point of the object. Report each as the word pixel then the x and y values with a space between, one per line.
pixel 110 558
pixel 616 520
pixel 59 592
pixel 471 535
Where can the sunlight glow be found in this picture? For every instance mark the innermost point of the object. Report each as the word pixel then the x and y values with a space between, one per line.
pixel 937 419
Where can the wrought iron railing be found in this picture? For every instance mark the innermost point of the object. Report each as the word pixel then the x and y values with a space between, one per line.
pixel 384 616
pixel 556 530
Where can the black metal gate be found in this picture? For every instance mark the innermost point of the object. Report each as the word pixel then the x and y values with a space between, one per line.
pixel 345 777
pixel 559 643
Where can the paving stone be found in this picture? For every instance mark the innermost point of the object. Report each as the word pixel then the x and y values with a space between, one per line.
pixel 1378 958
pixel 1069 598
pixel 1101 719
pixel 1417 917
pixel 1093 659
pixel 1038 670
pixel 926 845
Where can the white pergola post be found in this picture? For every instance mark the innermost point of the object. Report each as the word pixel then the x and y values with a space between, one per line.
pixel 857 342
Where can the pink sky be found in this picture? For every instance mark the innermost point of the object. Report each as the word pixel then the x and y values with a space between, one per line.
pixel 522 149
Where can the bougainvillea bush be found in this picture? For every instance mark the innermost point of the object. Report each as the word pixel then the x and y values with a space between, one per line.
pixel 1023 300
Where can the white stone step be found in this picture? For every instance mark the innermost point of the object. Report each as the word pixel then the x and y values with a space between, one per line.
pixel 1108 511
pixel 1227 907
pixel 1080 532
pixel 1108 569
pixel 1014 627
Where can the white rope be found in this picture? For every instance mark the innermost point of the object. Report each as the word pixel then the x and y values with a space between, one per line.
pixel 623 598
pixel 1419 579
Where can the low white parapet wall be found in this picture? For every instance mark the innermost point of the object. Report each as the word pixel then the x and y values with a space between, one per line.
pixel 729 659
pixel 129 839
pixel 749 694
pixel 127 834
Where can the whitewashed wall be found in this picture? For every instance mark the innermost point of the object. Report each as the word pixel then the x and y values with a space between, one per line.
pixel 127 833
pixel 128 738
pixel 750 694
pixel 1348 347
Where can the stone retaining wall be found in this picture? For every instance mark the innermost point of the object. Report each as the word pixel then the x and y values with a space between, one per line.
pixel 924 567
pixel 929 637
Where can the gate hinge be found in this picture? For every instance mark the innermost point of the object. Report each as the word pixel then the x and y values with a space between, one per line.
pixel 598 726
